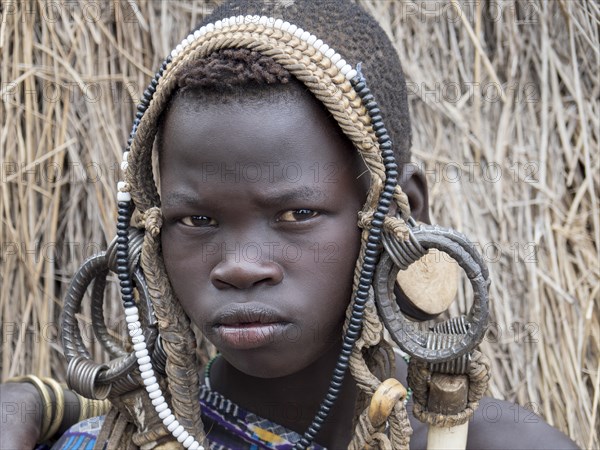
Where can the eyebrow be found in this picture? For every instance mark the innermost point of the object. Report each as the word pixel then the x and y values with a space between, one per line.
pixel 278 197
pixel 303 193
pixel 179 198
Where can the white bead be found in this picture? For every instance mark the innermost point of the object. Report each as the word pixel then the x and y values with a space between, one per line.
pixel 261 21
pixel 137 331
pixel 341 63
pixel 210 28
pixel 145 367
pixel 152 388
pixel 311 39
pixel 285 26
pixel 185 43
pixel 195 446
pixel 125 156
pixel 168 420
pixel 139 346
pixel 188 442
pixel 177 431
pixel 218 25
pixel 182 436
pixel 255 19
pixel 173 53
pixel 240 20
pixel 150 381
pixel 157 402
pixel 144 360
pixel 278 24
pixel 232 21
pixel 304 36
pixel 292 29
pixel 138 339
pixel 141 353
pixel 132 326
pixel 190 38
pixel 173 425
pixel 298 32
pixel 147 373
pixel 203 30
pixel 225 22
pixel 133 318
pixel 197 34
pixel 347 68
pixel 179 48
pixel 351 74
pixel 329 53
pixel 155 394
pixel 323 49
pixel 317 44
pixel 247 19
pixel 270 22
pixel 124 165
pixel 123 197
pixel 121 185
pixel 335 58
pixel 131 310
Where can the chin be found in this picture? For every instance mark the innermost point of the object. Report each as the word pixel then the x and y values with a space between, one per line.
pixel 265 363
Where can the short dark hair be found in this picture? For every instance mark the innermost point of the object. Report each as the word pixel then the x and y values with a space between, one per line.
pixel 362 40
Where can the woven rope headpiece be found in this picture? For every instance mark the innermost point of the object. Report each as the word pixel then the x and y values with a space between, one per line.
pixel 343 91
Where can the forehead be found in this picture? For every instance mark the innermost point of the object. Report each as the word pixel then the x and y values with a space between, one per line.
pixel 262 130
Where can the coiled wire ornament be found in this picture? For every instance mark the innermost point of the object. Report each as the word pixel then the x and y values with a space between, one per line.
pixel 85 376
pixel 464 334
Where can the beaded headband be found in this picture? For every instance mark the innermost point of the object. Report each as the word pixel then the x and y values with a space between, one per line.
pixel 343 91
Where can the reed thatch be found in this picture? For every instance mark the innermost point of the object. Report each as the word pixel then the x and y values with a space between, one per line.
pixel 505 108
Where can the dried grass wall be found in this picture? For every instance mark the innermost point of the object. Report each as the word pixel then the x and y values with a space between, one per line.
pixel 505 108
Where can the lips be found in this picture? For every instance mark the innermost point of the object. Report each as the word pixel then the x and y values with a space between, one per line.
pixel 244 327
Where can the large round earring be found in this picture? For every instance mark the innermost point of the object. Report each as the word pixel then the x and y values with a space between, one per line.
pixel 465 332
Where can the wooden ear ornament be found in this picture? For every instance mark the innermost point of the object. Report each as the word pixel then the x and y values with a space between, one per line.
pixel 430 283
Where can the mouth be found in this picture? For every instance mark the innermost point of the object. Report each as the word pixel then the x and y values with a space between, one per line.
pixel 248 326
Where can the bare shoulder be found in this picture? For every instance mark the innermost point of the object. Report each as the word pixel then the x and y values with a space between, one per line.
pixel 497 424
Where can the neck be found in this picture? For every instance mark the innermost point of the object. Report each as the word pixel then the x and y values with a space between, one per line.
pixel 292 401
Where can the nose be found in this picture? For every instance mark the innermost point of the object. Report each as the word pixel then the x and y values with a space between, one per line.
pixel 243 274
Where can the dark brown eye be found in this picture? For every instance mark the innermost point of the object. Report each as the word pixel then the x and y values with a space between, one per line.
pixel 198 221
pixel 297 215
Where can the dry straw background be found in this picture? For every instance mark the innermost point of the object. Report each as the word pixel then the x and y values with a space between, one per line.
pixel 505 108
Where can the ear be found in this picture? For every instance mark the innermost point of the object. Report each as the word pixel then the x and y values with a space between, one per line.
pixel 414 185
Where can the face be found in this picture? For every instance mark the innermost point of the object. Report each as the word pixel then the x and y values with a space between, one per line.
pixel 260 198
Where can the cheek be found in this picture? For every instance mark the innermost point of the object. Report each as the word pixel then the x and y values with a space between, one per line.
pixel 183 266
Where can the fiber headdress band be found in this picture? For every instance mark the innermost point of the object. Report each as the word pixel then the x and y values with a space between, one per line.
pixel 342 90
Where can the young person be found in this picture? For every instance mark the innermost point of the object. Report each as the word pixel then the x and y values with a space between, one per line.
pixel 268 148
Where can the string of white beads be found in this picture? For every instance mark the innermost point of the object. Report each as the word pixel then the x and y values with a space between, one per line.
pixel 123 194
pixel 151 384
pixel 278 24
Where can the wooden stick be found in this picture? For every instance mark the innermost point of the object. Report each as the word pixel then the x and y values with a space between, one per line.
pixel 447 395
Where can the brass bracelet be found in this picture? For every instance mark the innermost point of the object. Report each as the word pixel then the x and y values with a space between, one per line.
pixel 46 403
pixel 59 410
pixel 89 408
pixel 84 406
